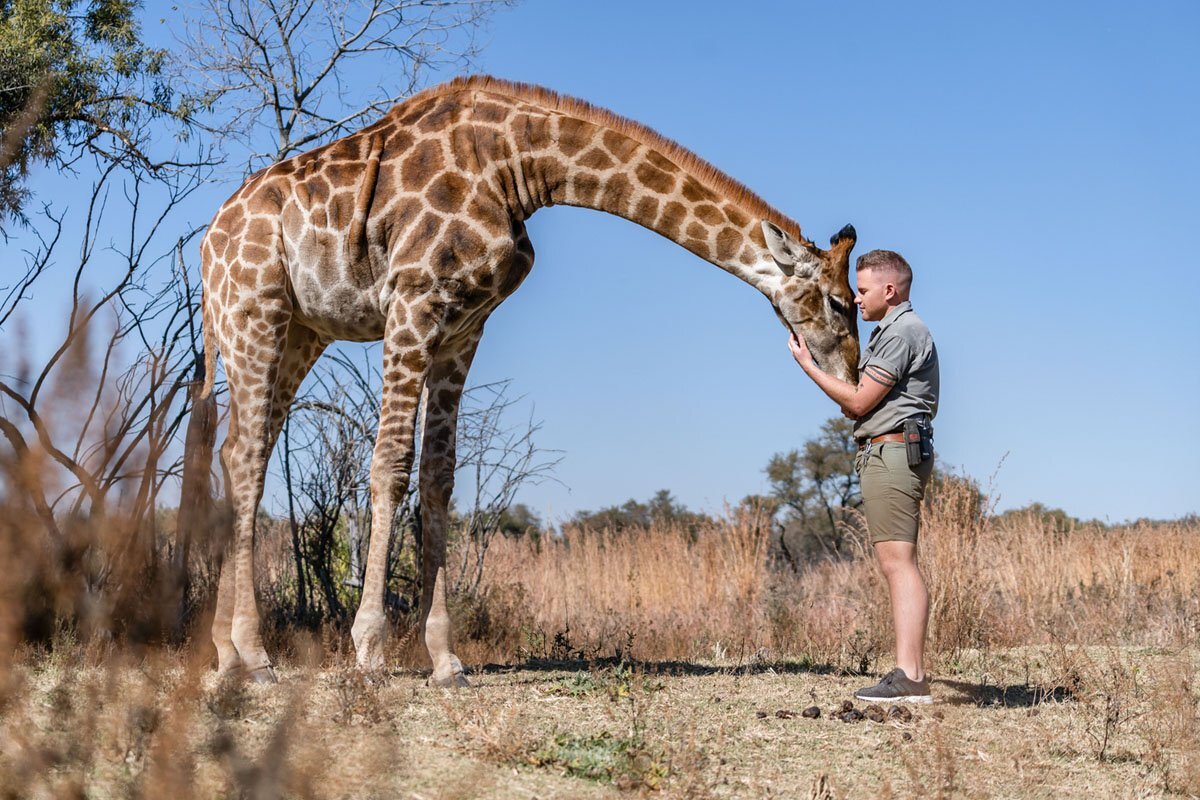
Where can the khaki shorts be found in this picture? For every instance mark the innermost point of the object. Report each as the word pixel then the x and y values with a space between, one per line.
pixel 892 491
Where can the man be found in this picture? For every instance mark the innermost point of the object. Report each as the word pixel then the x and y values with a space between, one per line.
pixel 898 382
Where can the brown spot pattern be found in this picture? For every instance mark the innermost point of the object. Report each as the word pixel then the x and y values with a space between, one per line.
pixel 736 216
pixel 419 240
pixel 462 148
pixel 621 146
pixel 448 192
pixel 489 112
pixel 585 186
pixel 728 240
pixel 655 179
pixel 709 214
pixel 672 218
pixel 662 162
pixel 532 131
pixel 646 211
pixel 596 159
pixel 574 135
pixel 466 244
pixel 616 194
pixel 421 165
pixel 695 191
pixel 442 115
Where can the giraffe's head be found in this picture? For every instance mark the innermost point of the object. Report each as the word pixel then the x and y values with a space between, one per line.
pixel 813 296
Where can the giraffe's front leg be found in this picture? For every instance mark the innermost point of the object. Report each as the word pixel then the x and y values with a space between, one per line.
pixel 442 395
pixel 407 353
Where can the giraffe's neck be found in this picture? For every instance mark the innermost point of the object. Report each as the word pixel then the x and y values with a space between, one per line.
pixel 547 157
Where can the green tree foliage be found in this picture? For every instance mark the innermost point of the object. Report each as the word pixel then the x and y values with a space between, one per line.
pixel 660 510
pixel 520 520
pixel 74 77
pixel 815 487
pixel 1054 518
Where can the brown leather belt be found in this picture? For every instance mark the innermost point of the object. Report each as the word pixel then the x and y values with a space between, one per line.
pixel 883 437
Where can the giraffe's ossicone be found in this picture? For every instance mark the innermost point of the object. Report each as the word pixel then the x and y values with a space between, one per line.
pixel 412 231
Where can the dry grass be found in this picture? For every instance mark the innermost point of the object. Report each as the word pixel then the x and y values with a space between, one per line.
pixel 156 729
pixel 669 594
pixel 648 663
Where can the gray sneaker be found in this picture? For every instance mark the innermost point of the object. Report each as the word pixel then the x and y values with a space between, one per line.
pixel 897 688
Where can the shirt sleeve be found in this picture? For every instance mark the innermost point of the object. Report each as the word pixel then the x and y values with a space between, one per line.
pixel 894 354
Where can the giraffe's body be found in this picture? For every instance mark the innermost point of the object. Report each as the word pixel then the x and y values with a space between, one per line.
pixel 411 230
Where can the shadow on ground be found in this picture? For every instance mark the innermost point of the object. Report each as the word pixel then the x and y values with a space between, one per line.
pixel 982 695
pixel 680 668
pixel 1021 695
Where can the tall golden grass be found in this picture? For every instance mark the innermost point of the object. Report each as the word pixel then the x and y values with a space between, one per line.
pixel 671 593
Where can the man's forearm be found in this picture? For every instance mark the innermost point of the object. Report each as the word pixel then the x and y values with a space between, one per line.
pixel 854 400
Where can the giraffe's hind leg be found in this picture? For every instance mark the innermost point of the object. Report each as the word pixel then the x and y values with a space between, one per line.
pixel 261 393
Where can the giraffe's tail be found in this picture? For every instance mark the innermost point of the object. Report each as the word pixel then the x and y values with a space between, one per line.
pixel 210 350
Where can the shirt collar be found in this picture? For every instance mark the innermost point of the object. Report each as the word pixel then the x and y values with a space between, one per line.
pixel 892 315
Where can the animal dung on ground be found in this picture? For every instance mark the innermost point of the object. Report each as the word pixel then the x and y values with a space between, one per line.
pixel 847 706
pixel 784 713
pixel 760 714
pixel 900 713
pixel 874 713
pixel 812 712
pixel 853 715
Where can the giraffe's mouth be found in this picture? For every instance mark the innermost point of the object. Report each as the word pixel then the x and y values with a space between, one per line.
pixel 795 332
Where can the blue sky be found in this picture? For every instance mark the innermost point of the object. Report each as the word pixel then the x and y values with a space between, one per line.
pixel 1035 162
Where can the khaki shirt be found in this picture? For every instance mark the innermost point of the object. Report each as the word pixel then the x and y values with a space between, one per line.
pixel 904 347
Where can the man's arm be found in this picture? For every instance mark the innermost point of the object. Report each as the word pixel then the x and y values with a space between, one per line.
pixel 873 385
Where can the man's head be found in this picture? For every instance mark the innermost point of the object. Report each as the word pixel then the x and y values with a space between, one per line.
pixel 884 279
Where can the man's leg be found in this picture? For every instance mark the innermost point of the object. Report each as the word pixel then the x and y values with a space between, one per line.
pixel 910 604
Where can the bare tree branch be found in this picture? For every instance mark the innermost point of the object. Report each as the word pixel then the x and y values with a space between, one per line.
pixel 274 68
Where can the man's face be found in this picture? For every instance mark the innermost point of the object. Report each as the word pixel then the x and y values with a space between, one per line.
pixel 874 292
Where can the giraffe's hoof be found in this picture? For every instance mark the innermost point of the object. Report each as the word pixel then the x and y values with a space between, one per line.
pixel 225 672
pixel 264 675
pixel 370 661
pixel 449 676
pixel 368 636
pixel 229 664
pixel 455 680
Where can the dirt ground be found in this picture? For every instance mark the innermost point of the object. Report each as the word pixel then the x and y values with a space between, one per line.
pixel 1024 723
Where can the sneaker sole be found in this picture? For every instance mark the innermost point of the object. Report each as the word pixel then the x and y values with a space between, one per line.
pixel 921 699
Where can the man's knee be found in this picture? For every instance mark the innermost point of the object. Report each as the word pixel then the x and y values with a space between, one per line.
pixel 896 556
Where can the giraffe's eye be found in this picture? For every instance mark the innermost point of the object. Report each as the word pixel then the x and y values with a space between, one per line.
pixel 837 306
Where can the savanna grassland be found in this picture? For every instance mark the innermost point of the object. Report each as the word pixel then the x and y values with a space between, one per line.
pixel 666 662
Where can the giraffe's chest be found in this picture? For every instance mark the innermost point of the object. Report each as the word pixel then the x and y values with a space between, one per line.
pixel 337 309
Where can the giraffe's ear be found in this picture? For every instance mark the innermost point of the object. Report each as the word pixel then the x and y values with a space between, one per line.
pixel 793 258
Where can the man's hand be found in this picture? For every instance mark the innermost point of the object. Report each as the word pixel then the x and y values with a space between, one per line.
pixel 855 401
pixel 800 351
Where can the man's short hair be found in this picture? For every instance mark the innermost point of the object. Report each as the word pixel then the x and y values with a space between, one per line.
pixel 890 263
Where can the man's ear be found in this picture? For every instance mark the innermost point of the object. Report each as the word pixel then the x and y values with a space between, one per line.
pixel 793 258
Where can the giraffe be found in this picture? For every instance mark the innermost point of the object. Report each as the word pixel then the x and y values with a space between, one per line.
pixel 412 231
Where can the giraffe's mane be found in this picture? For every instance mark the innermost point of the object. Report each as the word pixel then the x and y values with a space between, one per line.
pixel 716 179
